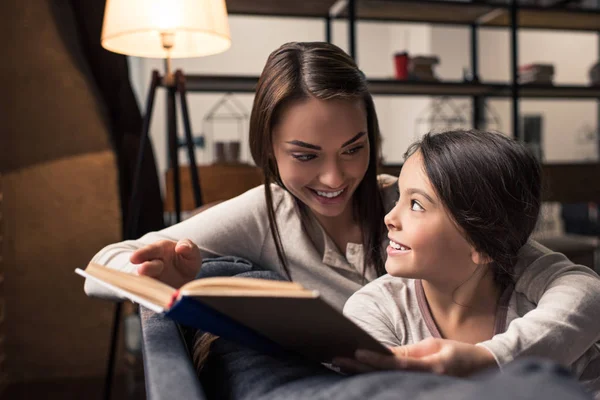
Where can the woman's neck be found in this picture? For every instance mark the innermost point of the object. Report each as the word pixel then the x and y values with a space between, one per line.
pixel 464 311
pixel 342 229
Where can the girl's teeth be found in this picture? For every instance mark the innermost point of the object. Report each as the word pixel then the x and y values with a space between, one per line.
pixel 329 195
pixel 397 246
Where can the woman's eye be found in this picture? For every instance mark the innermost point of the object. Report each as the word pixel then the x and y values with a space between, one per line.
pixel 415 206
pixel 303 157
pixel 354 150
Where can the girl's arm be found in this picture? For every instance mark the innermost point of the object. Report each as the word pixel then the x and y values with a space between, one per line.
pixel 565 322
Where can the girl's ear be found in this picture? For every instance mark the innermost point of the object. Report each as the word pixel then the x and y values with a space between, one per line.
pixel 480 258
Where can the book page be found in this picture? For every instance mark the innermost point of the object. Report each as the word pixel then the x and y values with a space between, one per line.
pixel 142 286
pixel 232 286
pixel 149 304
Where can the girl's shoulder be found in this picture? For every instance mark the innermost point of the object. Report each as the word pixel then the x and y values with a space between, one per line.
pixel 387 286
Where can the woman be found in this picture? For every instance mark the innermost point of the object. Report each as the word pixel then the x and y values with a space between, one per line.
pixel 318 219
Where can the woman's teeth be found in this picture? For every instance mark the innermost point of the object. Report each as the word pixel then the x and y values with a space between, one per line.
pixel 398 246
pixel 329 195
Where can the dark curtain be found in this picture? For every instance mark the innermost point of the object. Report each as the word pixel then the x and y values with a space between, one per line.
pixel 111 76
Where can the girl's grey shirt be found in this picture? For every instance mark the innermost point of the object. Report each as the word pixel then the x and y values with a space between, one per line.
pixel 395 312
pixel 240 227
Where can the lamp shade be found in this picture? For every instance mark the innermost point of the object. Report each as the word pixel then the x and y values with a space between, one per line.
pixel 137 27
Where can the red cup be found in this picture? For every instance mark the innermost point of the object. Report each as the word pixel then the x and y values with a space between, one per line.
pixel 401 65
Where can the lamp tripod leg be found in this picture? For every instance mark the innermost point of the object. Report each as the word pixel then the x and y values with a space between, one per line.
pixel 130 230
pixel 173 149
pixel 180 83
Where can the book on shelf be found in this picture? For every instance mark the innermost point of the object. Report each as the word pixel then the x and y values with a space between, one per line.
pixel 273 317
pixel 547 69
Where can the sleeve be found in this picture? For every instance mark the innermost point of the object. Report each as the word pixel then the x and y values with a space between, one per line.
pixel 565 322
pixel 368 309
pixel 236 227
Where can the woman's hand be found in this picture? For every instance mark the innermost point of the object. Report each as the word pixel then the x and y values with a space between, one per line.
pixel 440 356
pixel 173 263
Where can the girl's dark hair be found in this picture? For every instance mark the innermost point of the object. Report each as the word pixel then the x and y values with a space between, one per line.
pixel 298 71
pixel 491 185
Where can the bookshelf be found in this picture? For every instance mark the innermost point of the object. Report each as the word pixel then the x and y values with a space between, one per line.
pixel 476 14
pixel 247 84
pixel 486 14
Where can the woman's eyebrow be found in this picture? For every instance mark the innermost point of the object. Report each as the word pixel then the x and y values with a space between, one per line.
pixel 315 147
pixel 304 144
pixel 354 139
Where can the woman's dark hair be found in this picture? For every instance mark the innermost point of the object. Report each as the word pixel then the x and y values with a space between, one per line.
pixel 299 71
pixel 491 185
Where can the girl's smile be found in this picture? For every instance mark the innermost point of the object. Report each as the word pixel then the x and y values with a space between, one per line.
pixel 397 249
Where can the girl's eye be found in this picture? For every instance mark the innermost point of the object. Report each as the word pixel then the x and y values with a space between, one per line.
pixel 354 150
pixel 415 206
pixel 303 157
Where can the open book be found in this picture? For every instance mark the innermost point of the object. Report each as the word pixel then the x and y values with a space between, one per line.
pixel 270 316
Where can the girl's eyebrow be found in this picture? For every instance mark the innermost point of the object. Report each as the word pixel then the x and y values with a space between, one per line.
pixel 315 147
pixel 421 192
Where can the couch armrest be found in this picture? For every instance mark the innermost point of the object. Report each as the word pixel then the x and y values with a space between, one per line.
pixel 168 369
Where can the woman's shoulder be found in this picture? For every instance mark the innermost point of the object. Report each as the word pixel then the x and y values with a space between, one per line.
pixel 388 186
pixel 387 181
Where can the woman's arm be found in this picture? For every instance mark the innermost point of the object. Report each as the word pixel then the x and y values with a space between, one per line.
pixel 565 322
pixel 235 227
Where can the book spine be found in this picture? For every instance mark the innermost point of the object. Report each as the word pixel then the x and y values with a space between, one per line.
pixel 193 313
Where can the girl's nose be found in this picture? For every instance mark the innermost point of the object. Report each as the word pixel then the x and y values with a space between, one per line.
pixel 392 219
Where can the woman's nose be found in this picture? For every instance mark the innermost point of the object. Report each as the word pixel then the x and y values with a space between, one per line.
pixel 332 176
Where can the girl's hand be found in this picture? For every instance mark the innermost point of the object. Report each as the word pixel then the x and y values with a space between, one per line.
pixel 440 356
pixel 173 263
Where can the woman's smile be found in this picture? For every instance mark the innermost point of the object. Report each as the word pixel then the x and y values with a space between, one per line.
pixel 328 196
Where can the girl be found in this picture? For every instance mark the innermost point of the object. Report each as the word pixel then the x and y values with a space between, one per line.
pixel 468 202
pixel 318 219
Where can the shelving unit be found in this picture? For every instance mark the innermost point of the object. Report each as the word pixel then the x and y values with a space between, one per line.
pixel 247 84
pixel 489 14
pixel 475 15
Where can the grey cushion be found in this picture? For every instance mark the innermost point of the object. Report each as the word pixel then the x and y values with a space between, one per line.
pixel 168 368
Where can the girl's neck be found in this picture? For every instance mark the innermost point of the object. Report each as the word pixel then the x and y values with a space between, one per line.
pixel 464 311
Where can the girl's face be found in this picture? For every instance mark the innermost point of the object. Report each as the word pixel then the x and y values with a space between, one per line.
pixel 322 152
pixel 425 243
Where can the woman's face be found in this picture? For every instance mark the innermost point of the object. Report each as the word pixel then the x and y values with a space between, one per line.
pixel 322 152
pixel 425 243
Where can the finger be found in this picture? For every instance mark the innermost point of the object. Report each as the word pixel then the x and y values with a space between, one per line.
pixel 151 268
pixel 188 258
pixel 436 364
pixel 348 365
pixel 416 350
pixel 413 364
pixel 187 250
pixel 379 361
pixel 150 252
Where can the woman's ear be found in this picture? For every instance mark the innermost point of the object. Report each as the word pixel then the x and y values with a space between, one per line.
pixel 480 258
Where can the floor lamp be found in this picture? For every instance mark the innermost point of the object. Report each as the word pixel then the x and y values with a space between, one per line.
pixel 162 29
